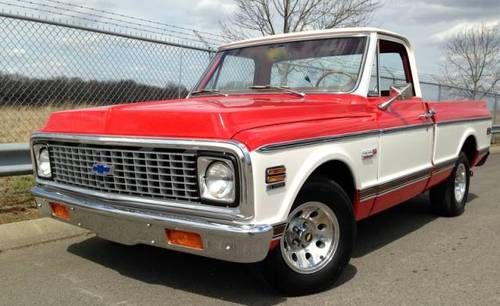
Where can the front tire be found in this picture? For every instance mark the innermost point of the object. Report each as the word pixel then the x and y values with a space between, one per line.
pixel 449 197
pixel 317 242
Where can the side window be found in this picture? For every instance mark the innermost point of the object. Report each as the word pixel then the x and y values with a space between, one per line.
pixel 391 71
pixel 237 72
pixel 394 66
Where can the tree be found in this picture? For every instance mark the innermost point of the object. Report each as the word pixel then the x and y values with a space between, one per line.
pixel 269 17
pixel 472 61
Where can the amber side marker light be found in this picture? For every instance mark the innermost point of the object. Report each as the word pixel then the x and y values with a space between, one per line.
pixel 276 175
pixel 185 239
pixel 60 211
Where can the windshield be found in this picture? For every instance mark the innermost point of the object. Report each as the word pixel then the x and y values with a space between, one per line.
pixel 325 65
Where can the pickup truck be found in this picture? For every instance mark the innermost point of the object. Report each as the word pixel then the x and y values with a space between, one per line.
pixel 281 147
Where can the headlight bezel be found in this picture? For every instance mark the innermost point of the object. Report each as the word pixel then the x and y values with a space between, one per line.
pixel 37 149
pixel 204 161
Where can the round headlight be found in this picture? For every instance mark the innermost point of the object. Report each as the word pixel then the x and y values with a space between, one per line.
pixel 43 163
pixel 219 180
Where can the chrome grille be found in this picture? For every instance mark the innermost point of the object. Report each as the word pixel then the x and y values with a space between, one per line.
pixel 145 172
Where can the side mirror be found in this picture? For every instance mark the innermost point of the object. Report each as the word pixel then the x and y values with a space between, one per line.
pixel 395 94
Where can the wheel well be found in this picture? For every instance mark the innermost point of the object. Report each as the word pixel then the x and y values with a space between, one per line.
pixel 340 173
pixel 469 148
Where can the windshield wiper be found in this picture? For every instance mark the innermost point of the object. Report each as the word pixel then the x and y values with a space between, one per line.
pixel 208 91
pixel 283 88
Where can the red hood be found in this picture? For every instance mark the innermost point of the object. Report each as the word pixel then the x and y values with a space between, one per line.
pixel 204 117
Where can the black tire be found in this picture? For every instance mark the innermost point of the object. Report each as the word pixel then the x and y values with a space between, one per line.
pixel 289 282
pixel 443 199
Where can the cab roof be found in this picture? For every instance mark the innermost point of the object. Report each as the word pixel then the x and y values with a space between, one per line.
pixel 307 35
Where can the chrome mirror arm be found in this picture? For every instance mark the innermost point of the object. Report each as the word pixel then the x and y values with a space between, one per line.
pixel 385 105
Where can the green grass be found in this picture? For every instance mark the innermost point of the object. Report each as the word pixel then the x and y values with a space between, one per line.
pixel 16 201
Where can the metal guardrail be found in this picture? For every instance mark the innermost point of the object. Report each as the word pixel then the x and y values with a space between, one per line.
pixel 15 159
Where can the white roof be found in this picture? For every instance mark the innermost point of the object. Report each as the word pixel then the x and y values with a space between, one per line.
pixel 307 35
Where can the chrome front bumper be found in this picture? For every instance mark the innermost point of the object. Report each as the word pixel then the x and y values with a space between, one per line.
pixel 113 221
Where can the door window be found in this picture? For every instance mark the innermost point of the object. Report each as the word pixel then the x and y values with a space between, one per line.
pixel 393 68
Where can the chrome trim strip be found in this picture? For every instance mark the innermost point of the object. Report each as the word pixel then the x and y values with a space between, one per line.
pixel 452 121
pixel 326 139
pixel 437 171
pixel 406 128
pixel 444 164
pixel 393 185
pixel 403 185
pixel 245 210
pixel 312 141
pixel 278 230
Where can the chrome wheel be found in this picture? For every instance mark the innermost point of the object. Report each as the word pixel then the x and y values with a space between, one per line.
pixel 460 182
pixel 311 237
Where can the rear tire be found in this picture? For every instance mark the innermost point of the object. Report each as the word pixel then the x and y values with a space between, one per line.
pixel 448 199
pixel 317 242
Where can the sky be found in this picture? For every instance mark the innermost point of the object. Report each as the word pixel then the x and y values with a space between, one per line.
pixel 426 23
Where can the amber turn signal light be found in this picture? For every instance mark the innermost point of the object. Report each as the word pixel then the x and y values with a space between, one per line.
pixel 275 175
pixel 185 239
pixel 60 210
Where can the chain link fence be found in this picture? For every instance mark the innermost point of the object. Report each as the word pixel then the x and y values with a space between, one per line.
pixel 49 65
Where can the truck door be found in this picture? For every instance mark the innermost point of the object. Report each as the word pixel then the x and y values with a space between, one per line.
pixel 406 141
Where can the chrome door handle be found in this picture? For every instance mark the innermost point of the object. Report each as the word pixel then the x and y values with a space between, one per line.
pixel 428 115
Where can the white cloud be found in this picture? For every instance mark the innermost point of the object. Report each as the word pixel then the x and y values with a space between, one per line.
pixel 443 35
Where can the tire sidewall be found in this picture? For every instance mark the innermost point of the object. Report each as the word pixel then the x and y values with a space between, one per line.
pixel 279 273
pixel 459 206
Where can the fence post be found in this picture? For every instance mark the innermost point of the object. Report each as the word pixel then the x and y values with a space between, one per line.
pixel 495 110
pixel 180 76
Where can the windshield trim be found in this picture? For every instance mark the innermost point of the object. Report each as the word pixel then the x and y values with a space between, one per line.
pixel 218 56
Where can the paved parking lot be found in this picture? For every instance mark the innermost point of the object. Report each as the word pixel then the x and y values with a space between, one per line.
pixel 403 256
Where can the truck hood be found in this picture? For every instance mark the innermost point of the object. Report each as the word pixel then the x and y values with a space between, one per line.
pixel 204 117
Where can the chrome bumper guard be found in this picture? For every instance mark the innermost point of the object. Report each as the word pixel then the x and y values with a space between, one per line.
pixel 233 241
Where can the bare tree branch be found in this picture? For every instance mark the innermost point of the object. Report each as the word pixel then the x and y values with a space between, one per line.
pixel 473 61
pixel 267 17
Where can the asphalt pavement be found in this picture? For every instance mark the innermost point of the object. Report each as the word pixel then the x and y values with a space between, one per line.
pixel 404 256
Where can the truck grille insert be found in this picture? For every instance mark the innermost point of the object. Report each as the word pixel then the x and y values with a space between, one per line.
pixel 165 174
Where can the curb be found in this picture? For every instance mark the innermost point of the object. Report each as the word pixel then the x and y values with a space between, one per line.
pixel 27 233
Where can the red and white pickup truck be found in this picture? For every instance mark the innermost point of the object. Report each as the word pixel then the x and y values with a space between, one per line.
pixel 283 145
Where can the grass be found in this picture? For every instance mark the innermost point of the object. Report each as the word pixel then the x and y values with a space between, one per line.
pixel 18 122
pixel 16 201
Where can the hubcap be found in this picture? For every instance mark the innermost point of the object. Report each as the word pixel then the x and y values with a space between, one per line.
pixel 311 237
pixel 460 182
